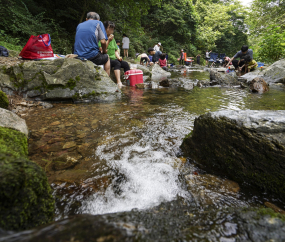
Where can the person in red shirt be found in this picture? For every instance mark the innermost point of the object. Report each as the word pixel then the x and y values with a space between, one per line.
pixel 163 62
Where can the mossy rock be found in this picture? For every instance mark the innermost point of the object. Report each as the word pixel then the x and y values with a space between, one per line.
pixel 13 142
pixel 4 102
pixel 25 196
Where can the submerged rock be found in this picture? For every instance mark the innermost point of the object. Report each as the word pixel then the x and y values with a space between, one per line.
pixel 258 85
pixel 10 120
pixel 247 146
pixel 59 79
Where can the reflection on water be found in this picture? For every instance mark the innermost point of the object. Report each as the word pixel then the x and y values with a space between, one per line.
pixel 128 150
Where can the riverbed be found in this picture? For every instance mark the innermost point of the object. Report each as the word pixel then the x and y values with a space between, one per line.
pixel 126 153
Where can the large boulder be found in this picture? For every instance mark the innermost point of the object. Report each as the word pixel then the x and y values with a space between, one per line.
pixel 218 78
pixel 4 102
pixel 247 146
pixel 26 199
pixel 272 74
pixel 13 121
pixel 60 79
pixel 275 73
pixel 158 74
pixel 258 85
pixel 166 222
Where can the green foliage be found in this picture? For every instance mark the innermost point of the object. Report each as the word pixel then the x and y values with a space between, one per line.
pixel 4 102
pixel 267 25
pixel 271 46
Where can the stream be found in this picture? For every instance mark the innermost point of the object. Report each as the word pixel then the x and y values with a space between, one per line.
pixel 127 157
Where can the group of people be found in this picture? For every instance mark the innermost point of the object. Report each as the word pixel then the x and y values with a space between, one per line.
pixel 95 42
pixel 246 63
pixel 157 57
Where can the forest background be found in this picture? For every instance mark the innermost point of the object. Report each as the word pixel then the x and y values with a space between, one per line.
pixel 222 26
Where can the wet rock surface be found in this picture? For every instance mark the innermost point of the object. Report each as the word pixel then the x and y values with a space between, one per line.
pixel 258 85
pixel 218 78
pixel 247 146
pixel 59 79
pixel 158 74
pixel 171 221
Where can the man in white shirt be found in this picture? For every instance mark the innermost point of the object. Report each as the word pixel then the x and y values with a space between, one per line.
pixel 157 47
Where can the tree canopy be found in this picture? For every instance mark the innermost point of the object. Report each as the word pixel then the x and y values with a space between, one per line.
pixel 220 25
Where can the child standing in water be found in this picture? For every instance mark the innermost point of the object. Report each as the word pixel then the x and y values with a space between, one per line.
pixel 163 62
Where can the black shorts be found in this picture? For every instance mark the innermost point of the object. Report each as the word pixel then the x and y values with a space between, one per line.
pixel 120 64
pixel 100 59
pixel 144 59
pixel 207 58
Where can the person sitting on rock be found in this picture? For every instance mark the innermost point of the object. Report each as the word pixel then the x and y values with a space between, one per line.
pixel 144 59
pixel 240 54
pixel 88 35
pixel 163 62
pixel 115 58
pixel 249 64
pixel 155 55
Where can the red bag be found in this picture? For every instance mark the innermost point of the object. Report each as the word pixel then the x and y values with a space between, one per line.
pixel 37 47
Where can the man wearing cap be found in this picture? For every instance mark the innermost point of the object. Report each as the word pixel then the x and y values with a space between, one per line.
pixel 157 47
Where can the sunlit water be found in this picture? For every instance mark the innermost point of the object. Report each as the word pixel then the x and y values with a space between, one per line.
pixel 135 149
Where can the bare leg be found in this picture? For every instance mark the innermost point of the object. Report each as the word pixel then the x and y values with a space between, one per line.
pixel 127 52
pixel 107 67
pixel 118 77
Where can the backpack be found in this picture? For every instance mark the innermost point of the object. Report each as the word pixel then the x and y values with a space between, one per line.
pixel 3 51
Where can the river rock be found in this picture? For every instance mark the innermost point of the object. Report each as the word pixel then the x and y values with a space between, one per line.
pixel 146 70
pixel 58 79
pixel 272 74
pixel 4 102
pixel 275 73
pixel 218 78
pixel 11 120
pixel 26 199
pixel 167 222
pixel 158 74
pixel 258 85
pixel 246 146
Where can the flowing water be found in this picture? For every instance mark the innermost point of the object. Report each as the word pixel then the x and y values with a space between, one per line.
pixel 128 154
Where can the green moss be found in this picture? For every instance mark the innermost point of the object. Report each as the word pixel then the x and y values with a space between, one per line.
pixel 13 142
pixel 271 213
pixel 25 196
pixel 4 102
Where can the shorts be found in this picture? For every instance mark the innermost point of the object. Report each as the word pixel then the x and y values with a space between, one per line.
pixel 144 59
pixel 120 64
pixel 100 59
pixel 125 48
pixel 207 58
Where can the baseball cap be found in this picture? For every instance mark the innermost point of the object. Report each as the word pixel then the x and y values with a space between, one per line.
pixel 159 43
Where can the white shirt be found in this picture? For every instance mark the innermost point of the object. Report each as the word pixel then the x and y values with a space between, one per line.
pixel 156 48
pixel 126 43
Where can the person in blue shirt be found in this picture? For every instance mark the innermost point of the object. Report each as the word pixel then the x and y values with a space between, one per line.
pixel 88 35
